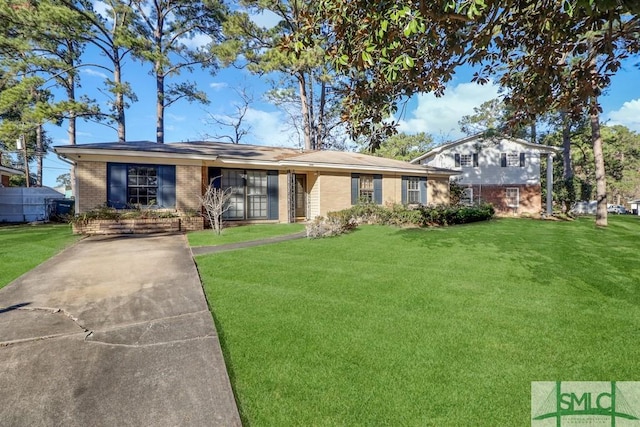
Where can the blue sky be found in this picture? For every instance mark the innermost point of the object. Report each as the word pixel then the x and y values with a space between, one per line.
pixel 188 122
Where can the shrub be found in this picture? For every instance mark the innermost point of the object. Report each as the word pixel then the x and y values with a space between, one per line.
pixel 105 212
pixel 334 224
pixel 450 215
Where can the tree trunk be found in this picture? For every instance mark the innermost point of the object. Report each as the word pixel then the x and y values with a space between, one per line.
pixel 601 179
pixel 321 117
pixel 304 110
pixel 119 101
pixel 71 129
pixel 39 154
pixel 159 107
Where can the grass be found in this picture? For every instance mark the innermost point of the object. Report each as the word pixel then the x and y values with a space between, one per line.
pixel 242 234
pixel 22 247
pixel 442 327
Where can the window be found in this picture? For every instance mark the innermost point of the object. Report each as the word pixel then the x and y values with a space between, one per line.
pixel 254 192
pixel 512 160
pixel 466 160
pixel 141 185
pixel 513 197
pixel 365 191
pixel 466 198
pixel 413 190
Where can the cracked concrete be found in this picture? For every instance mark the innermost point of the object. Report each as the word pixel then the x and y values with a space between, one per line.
pixel 112 331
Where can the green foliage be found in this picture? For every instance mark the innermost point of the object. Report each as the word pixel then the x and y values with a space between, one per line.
pixel 452 215
pixel 403 146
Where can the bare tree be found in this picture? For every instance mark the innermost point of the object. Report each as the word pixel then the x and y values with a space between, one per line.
pixel 214 201
pixel 236 123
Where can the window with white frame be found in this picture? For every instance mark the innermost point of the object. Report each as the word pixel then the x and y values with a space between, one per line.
pixel 413 190
pixel 513 159
pixel 466 160
pixel 466 198
pixel 365 191
pixel 513 197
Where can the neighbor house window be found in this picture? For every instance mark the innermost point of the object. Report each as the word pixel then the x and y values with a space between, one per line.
pixel 466 160
pixel 513 197
pixel 365 191
pixel 134 184
pixel 512 160
pixel 466 198
pixel 413 190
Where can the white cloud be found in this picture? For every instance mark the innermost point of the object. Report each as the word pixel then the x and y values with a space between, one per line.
pixel 92 72
pixel 265 19
pixel 197 41
pixel 218 85
pixel 103 9
pixel 175 117
pixel 440 116
pixel 628 115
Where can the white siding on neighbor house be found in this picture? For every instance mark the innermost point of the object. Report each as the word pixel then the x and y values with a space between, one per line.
pixel 489 171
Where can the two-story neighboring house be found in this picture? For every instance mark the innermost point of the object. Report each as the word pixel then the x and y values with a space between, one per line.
pixel 499 170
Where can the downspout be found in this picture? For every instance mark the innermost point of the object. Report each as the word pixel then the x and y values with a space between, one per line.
pixel 76 205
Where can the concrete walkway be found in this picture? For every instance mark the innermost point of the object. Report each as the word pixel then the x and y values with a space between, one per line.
pixel 113 331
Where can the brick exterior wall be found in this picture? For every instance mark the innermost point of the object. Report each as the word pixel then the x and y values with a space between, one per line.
pixel 530 198
pixel 138 226
pixel 92 185
pixel 391 189
pixel 437 191
pixel 188 187
pixel 335 192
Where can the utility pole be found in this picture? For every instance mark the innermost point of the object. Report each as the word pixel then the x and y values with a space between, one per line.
pixel 22 144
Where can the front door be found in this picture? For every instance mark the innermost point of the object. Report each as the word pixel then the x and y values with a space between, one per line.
pixel 301 196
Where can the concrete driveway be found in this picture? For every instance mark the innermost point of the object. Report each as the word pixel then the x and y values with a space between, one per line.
pixel 113 331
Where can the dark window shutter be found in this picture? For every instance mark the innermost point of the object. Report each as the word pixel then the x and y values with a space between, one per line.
pixel 272 195
pixel 403 199
pixel 117 185
pixel 503 160
pixel 217 174
pixel 355 186
pixel 423 190
pixel 377 189
pixel 457 159
pixel 521 160
pixel 166 186
pixel 475 160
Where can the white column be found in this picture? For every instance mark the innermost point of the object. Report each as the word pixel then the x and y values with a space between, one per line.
pixel 549 184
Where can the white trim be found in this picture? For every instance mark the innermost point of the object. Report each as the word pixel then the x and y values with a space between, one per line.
pixel 517 196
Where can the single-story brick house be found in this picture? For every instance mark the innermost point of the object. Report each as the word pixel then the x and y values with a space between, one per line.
pixel 497 169
pixel 270 183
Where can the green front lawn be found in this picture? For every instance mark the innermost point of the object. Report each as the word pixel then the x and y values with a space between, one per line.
pixel 443 327
pixel 22 247
pixel 242 233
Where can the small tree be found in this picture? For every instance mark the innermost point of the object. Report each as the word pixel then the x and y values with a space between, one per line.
pixel 214 201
